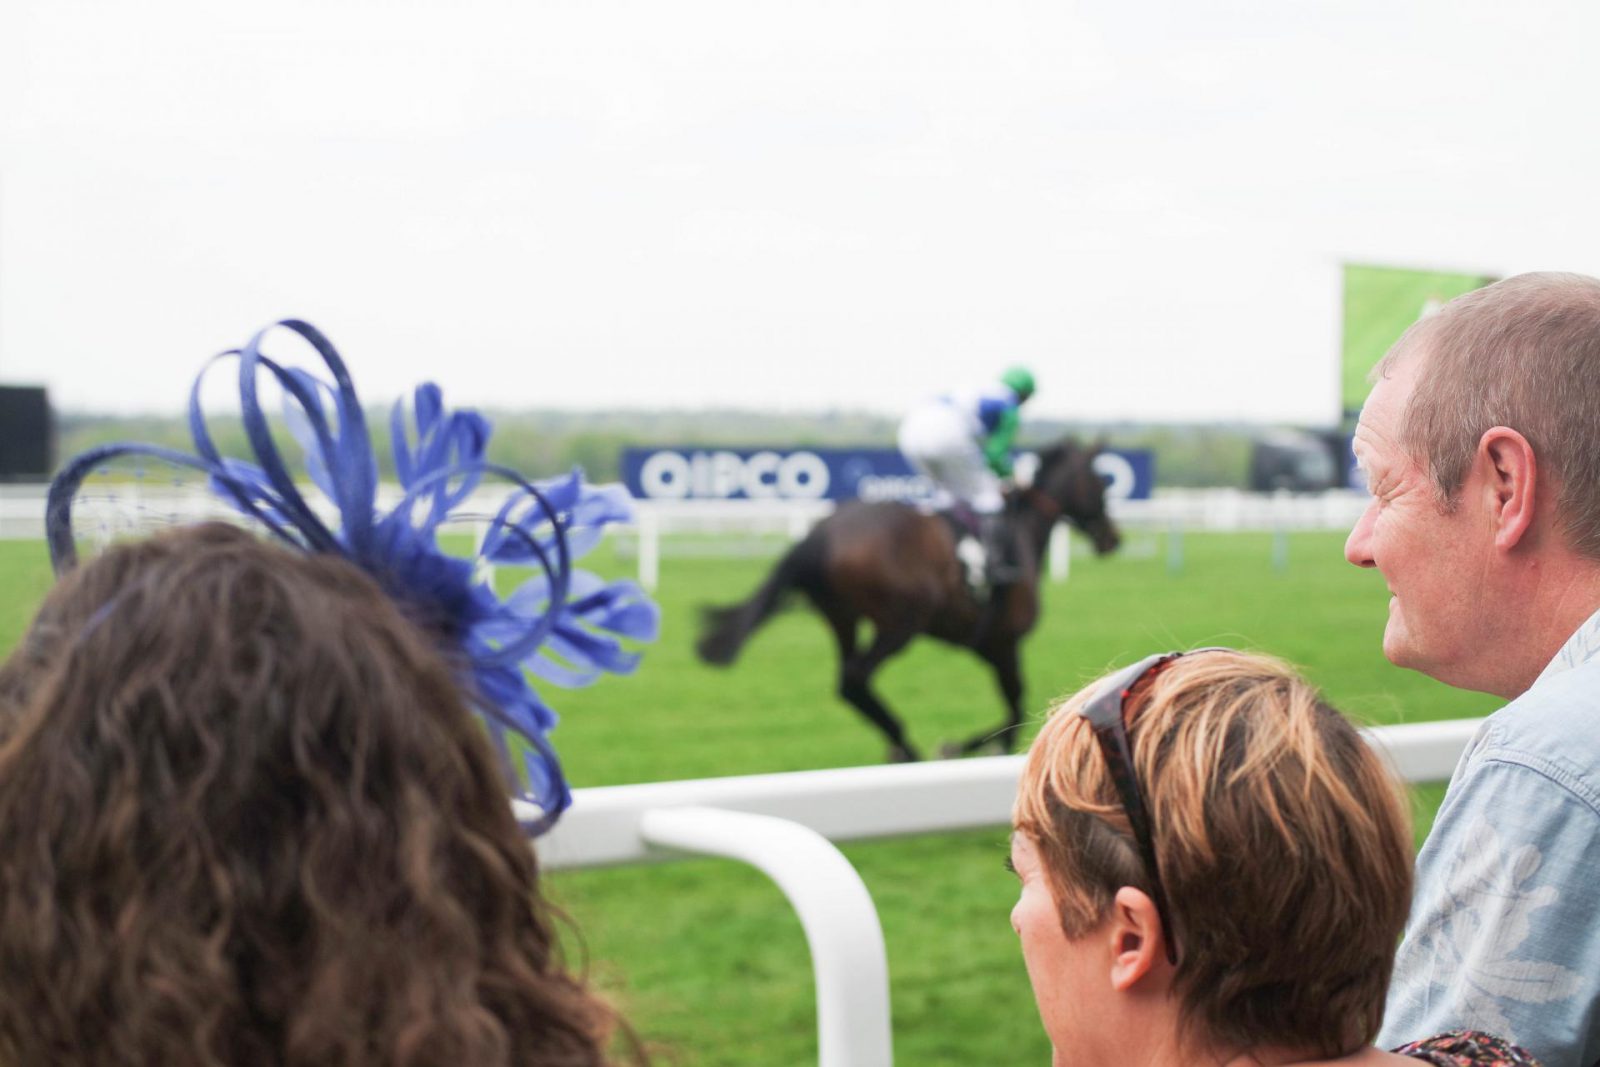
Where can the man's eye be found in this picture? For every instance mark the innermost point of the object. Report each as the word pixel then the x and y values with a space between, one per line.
pixel 1012 867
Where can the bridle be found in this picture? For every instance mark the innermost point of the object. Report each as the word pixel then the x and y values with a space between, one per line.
pixel 1042 502
pixel 1050 509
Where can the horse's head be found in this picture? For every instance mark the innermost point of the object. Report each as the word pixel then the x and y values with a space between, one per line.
pixel 1066 476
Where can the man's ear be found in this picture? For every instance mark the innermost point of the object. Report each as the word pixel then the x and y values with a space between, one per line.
pixel 1506 460
pixel 1135 939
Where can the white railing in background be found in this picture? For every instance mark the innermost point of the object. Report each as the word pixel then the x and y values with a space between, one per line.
pixel 22 506
pixel 656 519
pixel 1172 512
pixel 786 824
pixel 22 512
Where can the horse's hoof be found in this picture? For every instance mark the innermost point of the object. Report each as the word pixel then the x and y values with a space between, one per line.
pixel 903 754
pixel 951 750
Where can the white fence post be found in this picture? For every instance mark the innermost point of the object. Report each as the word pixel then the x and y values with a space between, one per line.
pixel 648 525
pixel 799 524
pixel 841 925
pixel 1060 552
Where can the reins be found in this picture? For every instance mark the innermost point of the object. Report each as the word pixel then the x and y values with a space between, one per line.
pixel 1042 502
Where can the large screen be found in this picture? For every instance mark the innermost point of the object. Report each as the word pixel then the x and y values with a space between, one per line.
pixel 1379 303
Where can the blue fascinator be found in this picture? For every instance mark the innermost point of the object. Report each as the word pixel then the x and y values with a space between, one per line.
pixel 562 625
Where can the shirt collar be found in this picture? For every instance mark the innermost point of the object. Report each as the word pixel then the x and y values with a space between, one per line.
pixel 1581 647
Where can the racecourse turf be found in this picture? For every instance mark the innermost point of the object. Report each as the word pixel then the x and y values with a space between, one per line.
pixel 706 958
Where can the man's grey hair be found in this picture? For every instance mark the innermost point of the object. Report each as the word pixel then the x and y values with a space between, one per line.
pixel 1522 353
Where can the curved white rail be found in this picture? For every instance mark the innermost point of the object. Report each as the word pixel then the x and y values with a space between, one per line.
pixel 835 909
pixel 782 825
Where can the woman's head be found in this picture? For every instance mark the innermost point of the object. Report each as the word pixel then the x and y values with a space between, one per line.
pixel 247 817
pixel 1280 839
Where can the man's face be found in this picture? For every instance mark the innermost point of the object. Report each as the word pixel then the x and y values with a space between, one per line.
pixel 1434 562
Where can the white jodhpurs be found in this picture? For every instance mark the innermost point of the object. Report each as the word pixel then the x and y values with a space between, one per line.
pixel 941 443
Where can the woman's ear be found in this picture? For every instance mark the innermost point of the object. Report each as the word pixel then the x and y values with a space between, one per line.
pixel 1136 941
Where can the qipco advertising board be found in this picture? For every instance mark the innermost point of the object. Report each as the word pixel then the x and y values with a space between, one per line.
pixel 688 473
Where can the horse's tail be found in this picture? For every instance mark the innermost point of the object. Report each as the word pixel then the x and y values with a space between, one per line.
pixel 724 630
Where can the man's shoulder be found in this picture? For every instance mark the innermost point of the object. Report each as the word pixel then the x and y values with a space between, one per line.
pixel 1553 729
pixel 1553 705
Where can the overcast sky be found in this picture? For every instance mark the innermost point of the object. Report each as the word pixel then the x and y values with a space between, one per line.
pixel 804 205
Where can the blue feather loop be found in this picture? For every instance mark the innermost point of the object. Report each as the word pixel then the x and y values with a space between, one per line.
pixel 563 625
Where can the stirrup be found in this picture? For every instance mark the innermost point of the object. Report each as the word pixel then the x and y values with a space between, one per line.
pixel 999 546
pixel 1003 573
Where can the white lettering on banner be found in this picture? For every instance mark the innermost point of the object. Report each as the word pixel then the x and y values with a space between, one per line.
pixel 761 475
pixel 721 474
pixel 803 476
pixel 874 487
pixel 716 474
pixel 665 475
pixel 1118 473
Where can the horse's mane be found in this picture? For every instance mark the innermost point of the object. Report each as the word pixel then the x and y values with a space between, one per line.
pixel 1062 451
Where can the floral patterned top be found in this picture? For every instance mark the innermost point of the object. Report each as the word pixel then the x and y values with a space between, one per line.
pixel 1467 1048
pixel 1501 936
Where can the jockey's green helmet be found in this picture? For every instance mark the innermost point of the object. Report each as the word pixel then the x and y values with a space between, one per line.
pixel 1020 379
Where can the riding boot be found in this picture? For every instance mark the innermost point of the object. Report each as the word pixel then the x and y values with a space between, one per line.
pixel 1001 572
pixel 1000 551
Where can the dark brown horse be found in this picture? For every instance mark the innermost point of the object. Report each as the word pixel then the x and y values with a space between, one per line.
pixel 896 567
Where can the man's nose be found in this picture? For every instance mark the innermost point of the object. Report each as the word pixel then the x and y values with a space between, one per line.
pixel 1358 546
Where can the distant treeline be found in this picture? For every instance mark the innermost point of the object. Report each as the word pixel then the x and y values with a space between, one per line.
pixel 543 443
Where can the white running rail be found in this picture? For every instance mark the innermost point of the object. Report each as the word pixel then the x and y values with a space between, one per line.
pixel 785 826
pixel 1175 510
pixel 1178 510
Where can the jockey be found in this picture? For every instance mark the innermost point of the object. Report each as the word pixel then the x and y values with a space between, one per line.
pixel 962 443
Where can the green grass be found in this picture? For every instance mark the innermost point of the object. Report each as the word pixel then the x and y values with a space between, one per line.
pixel 706 957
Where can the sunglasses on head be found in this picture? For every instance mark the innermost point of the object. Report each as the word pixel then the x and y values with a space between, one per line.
pixel 1106 712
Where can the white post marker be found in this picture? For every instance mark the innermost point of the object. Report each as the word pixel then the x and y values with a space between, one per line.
pixel 799 524
pixel 1060 552
pixel 648 524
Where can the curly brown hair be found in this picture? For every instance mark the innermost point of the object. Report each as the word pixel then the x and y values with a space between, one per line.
pixel 247 817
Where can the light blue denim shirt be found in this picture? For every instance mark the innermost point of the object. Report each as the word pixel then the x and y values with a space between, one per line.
pixel 1504 934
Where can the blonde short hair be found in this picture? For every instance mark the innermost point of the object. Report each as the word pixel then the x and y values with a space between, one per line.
pixel 1282 840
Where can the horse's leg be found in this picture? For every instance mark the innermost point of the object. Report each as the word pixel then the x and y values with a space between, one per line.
pixel 845 626
pixel 1008 671
pixel 855 677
